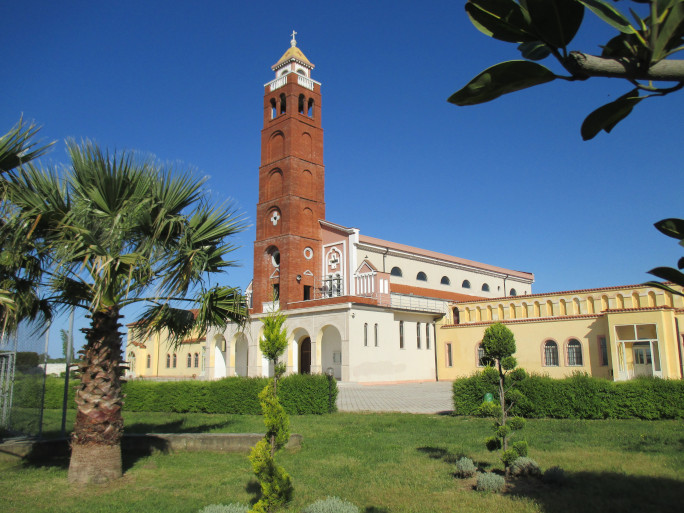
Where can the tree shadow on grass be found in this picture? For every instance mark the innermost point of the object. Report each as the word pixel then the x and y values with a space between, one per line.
pixel 602 491
pixel 174 426
pixel 441 453
pixel 56 452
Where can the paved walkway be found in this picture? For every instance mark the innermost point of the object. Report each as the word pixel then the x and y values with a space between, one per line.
pixel 427 397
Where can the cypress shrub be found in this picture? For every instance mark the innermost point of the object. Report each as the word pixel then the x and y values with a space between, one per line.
pixel 579 397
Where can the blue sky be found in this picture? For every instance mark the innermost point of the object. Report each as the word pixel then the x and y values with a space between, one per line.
pixel 509 183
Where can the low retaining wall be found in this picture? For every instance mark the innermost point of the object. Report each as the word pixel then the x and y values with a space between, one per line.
pixel 148 443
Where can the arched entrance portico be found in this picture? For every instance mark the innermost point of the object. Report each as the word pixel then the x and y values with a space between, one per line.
pixel 241 355
pixel 220 369
pixel 331 351
pixel 305 356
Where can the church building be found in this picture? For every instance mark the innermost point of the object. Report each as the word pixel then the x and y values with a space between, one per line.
pixel 358 307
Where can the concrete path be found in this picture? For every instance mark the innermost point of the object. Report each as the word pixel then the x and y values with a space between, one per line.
pixel 428 397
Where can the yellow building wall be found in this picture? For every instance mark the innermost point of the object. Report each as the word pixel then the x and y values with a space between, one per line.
pixel 561 316
pixel 530 338
pixel 157 347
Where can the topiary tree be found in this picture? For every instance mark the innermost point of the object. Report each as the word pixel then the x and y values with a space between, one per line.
pixel 638 53
pixel 498 345
pixel 276 484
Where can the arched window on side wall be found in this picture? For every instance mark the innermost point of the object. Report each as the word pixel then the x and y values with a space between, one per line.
pixel 168 361
pixel 445 280
pixel 421 276
pixel 457 315
pixel 550 354
pixel 574 352
pixel 196 360
pixel 189 360
pixel 485 287
pixel 396 271
pixel 480 356
pixel 149 361
pixel 513 293
pixel 465 284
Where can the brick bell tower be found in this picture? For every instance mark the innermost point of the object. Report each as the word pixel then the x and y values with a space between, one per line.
pixel 287 249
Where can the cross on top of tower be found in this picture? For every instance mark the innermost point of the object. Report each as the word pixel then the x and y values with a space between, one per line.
pixel 293 42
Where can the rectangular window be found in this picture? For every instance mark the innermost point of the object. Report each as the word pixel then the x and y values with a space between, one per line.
pixel 449 360
pixel 365 335
pixel 307 292
pixel 427 335
pixel 418 334
pixel 401 334
pixel 376 335
pixel 480 356
pixel 603 350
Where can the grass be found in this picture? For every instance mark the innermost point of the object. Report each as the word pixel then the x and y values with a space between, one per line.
pixel 381 462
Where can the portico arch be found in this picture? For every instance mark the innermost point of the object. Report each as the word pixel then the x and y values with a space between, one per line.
pixel 331 351
pixel 220 367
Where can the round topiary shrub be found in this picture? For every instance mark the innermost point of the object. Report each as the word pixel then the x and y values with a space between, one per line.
pixel 489 482
pixel 465 468
pixel 525 466
pixel 331 505
pixel 554 476
pixel 235 507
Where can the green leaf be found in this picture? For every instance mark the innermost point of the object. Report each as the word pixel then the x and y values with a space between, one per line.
pixel 671 227
pixel 556 21
pixel 501 19
pixel 668 274
pixel 662 286
pixel 534 50
pixel 610 15
pixel 669 32
pixel 502 78
pixel 606 117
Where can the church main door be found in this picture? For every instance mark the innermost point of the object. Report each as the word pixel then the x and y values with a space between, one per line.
pixel 305 356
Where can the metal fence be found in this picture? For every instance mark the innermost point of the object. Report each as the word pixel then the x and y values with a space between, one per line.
pixel 22 378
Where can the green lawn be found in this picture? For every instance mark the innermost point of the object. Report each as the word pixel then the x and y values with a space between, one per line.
pixel 381 462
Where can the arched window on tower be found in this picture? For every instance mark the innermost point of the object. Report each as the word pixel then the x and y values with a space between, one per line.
pixel 300 104
pixel 283 104
pixel 310 108
pixel 274 110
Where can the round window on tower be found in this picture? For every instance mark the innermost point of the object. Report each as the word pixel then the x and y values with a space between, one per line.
pixel 308 253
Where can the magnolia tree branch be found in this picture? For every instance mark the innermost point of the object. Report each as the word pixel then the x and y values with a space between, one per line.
pixel 583 65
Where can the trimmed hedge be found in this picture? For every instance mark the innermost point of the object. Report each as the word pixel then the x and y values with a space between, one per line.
pixel 299 394
pixel 579 397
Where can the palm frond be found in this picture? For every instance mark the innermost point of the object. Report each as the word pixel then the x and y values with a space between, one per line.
pixel 18 146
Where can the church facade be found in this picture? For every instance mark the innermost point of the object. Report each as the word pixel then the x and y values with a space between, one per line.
pixel 360 308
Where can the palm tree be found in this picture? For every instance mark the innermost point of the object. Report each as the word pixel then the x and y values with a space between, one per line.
pixel 18 298
pixel 116 230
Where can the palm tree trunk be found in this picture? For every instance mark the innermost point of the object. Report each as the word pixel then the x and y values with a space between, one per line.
pixel 96 440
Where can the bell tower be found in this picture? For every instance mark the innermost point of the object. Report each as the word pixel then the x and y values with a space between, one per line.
pixel 287 249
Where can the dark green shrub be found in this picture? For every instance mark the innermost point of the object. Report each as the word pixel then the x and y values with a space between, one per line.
pixel 579 397
pixel 554 476
pixel 27 359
